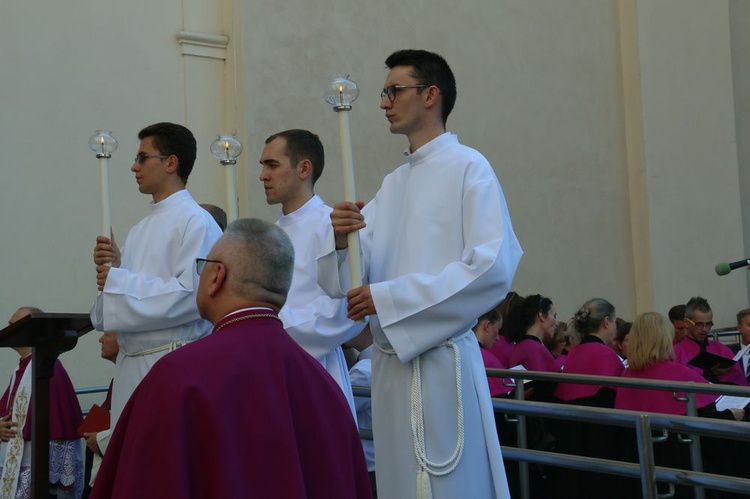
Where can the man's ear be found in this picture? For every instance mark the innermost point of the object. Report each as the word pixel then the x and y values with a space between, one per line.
pixel 304 169
pixel 218 278
pixel 432 96
pixel 172 164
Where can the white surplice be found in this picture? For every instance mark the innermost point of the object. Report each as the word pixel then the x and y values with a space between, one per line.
pixel 438 250
pixel 150 299
pixel 315 321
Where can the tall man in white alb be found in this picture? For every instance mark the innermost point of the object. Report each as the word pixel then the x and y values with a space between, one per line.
pixel 292 162
pixel 148 293
pixel 438 251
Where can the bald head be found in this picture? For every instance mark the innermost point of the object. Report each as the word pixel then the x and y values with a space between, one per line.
pixel 23 312
pixel 17 316
pixel 250 265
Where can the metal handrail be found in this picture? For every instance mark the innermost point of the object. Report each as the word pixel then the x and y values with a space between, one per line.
pixel 612 381
pixel 646 471
pixel 643 423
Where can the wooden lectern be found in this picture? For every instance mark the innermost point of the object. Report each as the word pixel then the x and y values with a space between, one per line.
pixel 49 335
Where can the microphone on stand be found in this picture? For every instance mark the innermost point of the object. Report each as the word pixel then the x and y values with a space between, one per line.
pixel 724 268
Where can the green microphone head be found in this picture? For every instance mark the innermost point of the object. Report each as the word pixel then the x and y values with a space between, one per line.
pixel 722 268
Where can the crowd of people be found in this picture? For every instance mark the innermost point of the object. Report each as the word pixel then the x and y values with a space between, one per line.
pixel 597 342
pixel 230 379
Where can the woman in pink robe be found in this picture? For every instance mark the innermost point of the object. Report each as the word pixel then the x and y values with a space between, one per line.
pixel 529 323
pixel 651 356
pixel 595 323
pixel 503 347
pixel 487 330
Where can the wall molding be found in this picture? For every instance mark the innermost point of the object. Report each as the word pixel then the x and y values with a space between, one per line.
pixel 203 44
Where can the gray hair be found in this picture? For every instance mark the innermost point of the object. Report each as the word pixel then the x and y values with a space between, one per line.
pixel 588 319
pixel 259 259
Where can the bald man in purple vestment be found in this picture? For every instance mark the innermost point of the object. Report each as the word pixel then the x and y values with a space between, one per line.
pixel 243 412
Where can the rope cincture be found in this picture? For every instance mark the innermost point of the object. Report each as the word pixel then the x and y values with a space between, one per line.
pixel 169 346
pixel 426 466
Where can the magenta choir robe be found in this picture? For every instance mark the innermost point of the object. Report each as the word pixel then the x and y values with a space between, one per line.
pixel 641 399
pixel 533 355
pixel 688 348
pixel 592 356
pixel 496 384
pixel 243 412
pixel 502 349
pixel 65 412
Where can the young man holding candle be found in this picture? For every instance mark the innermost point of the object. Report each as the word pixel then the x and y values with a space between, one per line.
pixel 292 162
pixel 438 250
pixel 148 293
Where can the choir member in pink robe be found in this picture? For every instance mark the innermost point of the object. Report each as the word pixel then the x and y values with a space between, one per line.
pixel 503 347
pixel 595 322
pixel 529 323
pixel 486 331
pixel 66 455
pixel 699 318
pixel 533 321
pixel 244 412
pixel 650 354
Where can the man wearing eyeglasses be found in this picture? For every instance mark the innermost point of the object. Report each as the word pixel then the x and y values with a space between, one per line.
pixel 244 413
pixel 147 291
pixel 292 161
pixel 699 318
pixel 438 251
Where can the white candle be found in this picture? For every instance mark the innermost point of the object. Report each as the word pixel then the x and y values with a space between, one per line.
pixel 231 189
pixel 347 170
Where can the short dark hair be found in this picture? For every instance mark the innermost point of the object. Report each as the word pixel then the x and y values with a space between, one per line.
pixel 677 313
pixel 219 215
pixel 428 68
pixel 741 315
pixel 301 145
pixel 696 303
pixel 172 139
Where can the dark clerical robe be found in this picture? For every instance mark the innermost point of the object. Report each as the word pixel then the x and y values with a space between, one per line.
pixel 244 412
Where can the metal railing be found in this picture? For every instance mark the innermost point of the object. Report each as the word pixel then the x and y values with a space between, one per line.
pixel 643 424
pixel 690 424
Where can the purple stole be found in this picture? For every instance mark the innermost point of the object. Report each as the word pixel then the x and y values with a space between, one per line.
pixel 688 348
pixel 641 399
pixel 590 357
